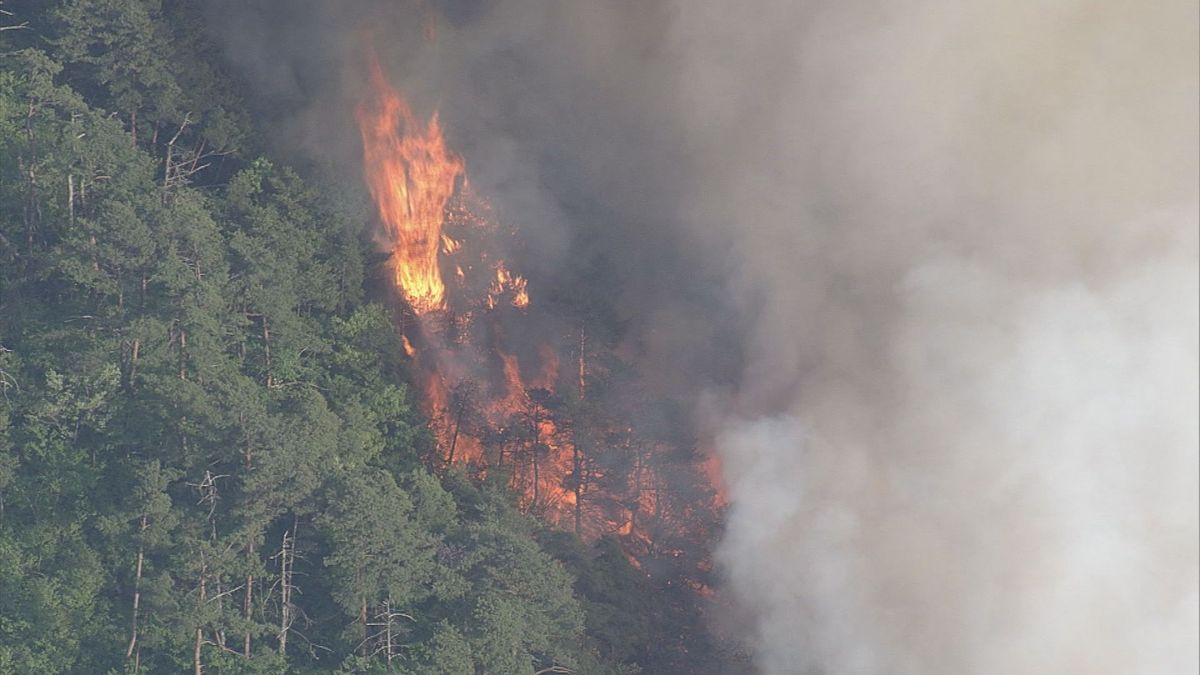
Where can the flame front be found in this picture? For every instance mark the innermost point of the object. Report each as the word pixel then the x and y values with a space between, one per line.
pixel 411 175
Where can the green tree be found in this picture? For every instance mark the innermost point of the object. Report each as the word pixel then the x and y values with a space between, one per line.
pixel 381 559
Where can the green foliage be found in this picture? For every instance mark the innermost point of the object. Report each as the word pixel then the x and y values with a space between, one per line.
pixel 380 552
pixel 206 445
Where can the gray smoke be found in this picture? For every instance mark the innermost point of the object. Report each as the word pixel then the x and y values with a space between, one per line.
pixel 968 430
pixel 934 266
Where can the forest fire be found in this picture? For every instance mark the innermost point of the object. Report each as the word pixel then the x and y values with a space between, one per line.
pixel 515 412
pixel 435 437
pixel 695 342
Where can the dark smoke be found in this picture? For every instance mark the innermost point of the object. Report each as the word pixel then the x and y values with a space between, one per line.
pixel 566 117
pixel 933 265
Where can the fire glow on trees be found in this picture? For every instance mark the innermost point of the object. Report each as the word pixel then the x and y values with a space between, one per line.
pixel 488 408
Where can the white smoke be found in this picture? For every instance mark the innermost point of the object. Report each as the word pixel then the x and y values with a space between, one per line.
pixel 969 441
pixel 1027 506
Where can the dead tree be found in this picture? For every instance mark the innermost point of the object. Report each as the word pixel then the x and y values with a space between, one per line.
pixel 134 650
pixel 209 496
pixel 180 164
pixel 385 637
pixel 12 26
pixel 287 566
pixel 462 400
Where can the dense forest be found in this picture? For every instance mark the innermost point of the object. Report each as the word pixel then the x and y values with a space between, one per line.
pixel 211 456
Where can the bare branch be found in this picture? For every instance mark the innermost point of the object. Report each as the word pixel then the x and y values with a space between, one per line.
pixel 187 118
pixel 225 593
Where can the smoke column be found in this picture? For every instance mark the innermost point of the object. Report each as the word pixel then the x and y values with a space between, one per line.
pixel 968 429
pixel 933 266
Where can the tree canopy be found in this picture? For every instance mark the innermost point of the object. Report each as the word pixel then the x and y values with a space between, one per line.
pixel 209 458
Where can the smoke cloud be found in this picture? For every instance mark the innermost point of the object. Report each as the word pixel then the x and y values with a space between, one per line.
pixel 933 266
pixel 968 440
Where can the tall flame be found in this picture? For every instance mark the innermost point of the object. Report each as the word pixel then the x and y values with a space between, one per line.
pixel 411 175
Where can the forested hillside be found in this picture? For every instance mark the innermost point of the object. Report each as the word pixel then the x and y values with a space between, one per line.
pixel 209 460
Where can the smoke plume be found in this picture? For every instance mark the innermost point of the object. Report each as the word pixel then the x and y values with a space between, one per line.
pixel 968 440
pixel 933 267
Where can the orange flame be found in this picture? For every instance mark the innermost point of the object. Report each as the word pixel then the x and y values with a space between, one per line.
pixel 450 245
pixel 411 175
pixel 507 281
pixel 429 216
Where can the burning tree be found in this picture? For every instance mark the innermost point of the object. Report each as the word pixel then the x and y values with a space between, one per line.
pixel 587 448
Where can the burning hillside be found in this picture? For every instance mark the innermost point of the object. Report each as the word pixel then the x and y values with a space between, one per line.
pixel 925 277
pixel 493 407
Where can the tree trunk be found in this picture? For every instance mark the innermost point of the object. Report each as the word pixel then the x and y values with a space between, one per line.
pixel 458 413
pixel 182 354
pixel 247 604
pixel 362 620
pixel 32 210
pixel 134 349
pixel 582 363
pixel 266 333
pixel 197 663
pixel 219 630
pixel 536 439
pixel 387 610
pixel 577 460
pixel 137 598
pixel 242 340
pixel 248 592
pixel 287 553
